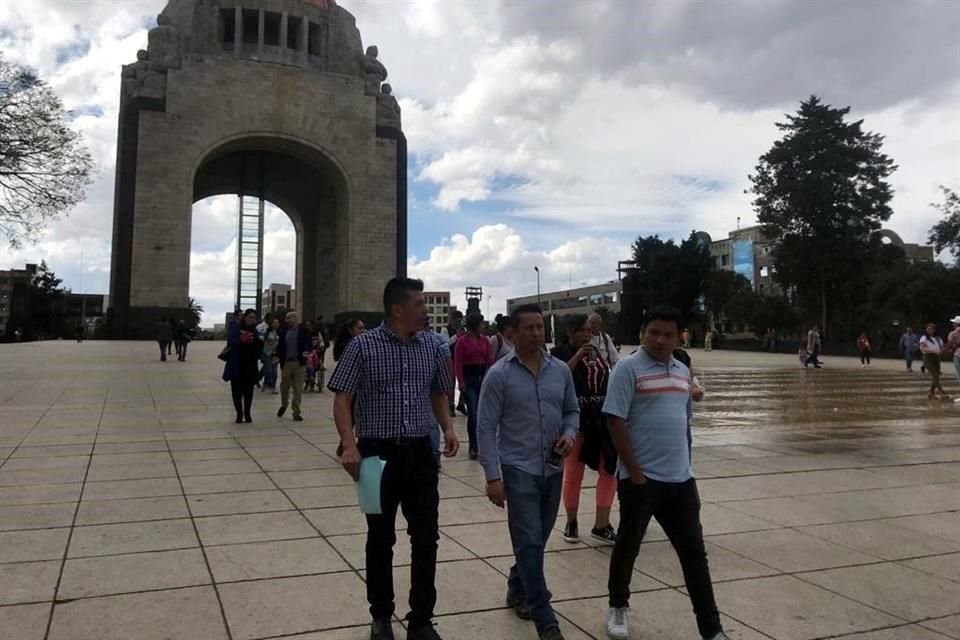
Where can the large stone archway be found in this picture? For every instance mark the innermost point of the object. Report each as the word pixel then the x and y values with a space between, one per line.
pixel 280 85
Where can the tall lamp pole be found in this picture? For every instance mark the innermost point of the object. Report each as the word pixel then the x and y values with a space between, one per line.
pixel 537 269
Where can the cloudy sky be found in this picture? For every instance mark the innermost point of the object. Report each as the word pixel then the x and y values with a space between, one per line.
pixel 548 132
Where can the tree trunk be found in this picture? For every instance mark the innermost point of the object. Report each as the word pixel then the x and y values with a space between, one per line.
pixel 823 306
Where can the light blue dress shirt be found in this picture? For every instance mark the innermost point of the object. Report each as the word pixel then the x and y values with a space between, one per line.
pixel 521 416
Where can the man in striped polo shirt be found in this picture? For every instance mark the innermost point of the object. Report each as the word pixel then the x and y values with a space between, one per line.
pixel 647 406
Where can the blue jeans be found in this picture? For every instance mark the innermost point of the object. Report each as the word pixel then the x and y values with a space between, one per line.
pixel 268 370
pixel 471 396
pixel 532 506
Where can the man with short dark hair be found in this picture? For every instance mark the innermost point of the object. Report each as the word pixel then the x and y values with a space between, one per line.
pixel 400 380
pixel 293 343
pixel 648 406
pixel 529 416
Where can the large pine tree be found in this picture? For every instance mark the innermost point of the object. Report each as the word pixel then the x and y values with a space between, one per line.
pixel 820 192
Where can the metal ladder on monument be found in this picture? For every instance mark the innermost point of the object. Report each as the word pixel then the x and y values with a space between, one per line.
pixel 250 237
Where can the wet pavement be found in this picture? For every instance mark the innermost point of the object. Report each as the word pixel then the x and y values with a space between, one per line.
pixel 132 507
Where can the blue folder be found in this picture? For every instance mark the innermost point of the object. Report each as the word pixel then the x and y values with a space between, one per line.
pixel 368 486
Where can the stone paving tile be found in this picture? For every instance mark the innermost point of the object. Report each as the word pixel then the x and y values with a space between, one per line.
pixel 789 550
pixel 494 625
pixel 107 575
pixel 41 476
pixel 117 489
pixel 493 539
pixel 24 622
pixel 227 483
pixel 28 582
pixel 212 504
pixel 906 632
pixel 949 626
pixel 944 525
pixel 659 561
pixel 883 539
pixel 786 607
pixel 40 494
pixel 274 559
pixel 35 464
pixel 130 537
pixel 291 605
pixel 178 614
pixel 25 546
pixel 323 497
pixel 946 566
pixel 654 615
pixel 40 516
pixel 901 591
pixel 131 510
pixel 285 525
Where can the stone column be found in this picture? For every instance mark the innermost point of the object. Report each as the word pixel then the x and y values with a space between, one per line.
pixel 284 25
pixel 305 42
pixel 237 31
pixel 261 28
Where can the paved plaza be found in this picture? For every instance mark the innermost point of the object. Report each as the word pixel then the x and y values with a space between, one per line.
pixel 133 508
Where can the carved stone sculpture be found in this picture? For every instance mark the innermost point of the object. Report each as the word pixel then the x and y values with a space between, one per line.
pixel 374 72
pixel 163 43
pixel 388 109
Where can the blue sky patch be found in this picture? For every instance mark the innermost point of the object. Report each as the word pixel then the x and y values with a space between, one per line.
pixel 76 49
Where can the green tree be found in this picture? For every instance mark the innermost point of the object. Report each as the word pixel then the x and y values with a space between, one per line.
pixel 820 193
pixel 667 273
pixel 195 309
pixel 946 233
pixel 47 305
pixel 719 287
pixel 44 167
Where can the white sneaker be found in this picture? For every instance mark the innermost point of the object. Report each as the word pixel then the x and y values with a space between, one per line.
pixel 617 627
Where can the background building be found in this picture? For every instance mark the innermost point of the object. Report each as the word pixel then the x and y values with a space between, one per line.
pixel 438 308
pixel 15 297
pixel 278 296
pixel 570 301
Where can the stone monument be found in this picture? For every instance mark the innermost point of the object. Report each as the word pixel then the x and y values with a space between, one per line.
pixel 273 98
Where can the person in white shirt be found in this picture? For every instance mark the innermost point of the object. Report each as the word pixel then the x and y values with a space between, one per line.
pixel 931 345
pixel 501 343
pixel 601 341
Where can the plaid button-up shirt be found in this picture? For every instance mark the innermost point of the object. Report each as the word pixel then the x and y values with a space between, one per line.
pixel 393 382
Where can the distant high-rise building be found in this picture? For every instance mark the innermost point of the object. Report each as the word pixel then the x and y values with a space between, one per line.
pixel 438 306
pixel 474 296
pixel 277 297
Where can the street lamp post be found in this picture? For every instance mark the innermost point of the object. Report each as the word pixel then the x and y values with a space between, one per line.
pixel 537 269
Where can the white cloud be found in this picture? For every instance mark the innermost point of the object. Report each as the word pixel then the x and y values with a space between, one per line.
pixel 497 258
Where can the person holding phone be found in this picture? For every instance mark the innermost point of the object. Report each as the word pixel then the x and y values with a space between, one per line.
pixel 528 422
pixel 648 408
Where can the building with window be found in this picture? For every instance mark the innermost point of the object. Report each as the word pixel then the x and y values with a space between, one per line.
pixel 438 308
pixel 15 297
pixel 277 297
pixel 567 302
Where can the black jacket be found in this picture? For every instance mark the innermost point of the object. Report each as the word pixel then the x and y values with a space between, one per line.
pixel 304 343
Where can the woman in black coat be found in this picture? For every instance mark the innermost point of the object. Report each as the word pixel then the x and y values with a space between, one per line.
pixel 242 363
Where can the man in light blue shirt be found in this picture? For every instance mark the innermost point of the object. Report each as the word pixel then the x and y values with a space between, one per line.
pixel 528 421
pixel 648 406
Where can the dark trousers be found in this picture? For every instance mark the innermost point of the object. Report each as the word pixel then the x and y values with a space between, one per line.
pixel 676 506
pixel 182 350
pixel 164 346
pixel 865 356
pixel 813 359
pixel 242 392
pixel 410 483
pixel 471 397
pixel 532 505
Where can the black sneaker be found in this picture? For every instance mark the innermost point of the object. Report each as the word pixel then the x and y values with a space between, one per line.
pixel 553 633
pixel 382 629
pixel 607 535
pixel 571 533
pixel 281 411
pixel 423 633
pixel 519 606
pixel 298 418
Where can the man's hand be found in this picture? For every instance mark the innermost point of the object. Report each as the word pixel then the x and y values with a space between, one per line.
pixel 450 443
pixel 351 460
pixel 495 492
pixel 637 477
pixel 564 446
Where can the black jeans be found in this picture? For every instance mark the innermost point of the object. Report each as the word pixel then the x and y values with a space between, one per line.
pixel 410 483
pixel 865 356
pixel 242 391
pixel 676 506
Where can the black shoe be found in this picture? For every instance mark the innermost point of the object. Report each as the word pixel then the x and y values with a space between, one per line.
pixel 473 454
pixel 553 633
pixel 239 419
pixel 423 633
pixel 606 535
pixel 571 533
pixel 281 411
pixel 382 629
pixel 519 606
pixel 298 418
pixel 247 419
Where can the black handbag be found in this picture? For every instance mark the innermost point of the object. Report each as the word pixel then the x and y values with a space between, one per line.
pixel 225 354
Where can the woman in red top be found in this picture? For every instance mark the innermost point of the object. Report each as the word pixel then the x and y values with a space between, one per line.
pixel 863 343
pixel 471 359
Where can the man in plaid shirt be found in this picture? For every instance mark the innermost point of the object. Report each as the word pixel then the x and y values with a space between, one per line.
pixel 400 380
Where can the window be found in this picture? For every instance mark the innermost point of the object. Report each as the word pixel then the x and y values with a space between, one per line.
pixel 294 33
pixel 228 26
pixel 764 272
pixel 251 26
pixel 271 29
pixel 313 39
pixel 725 259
